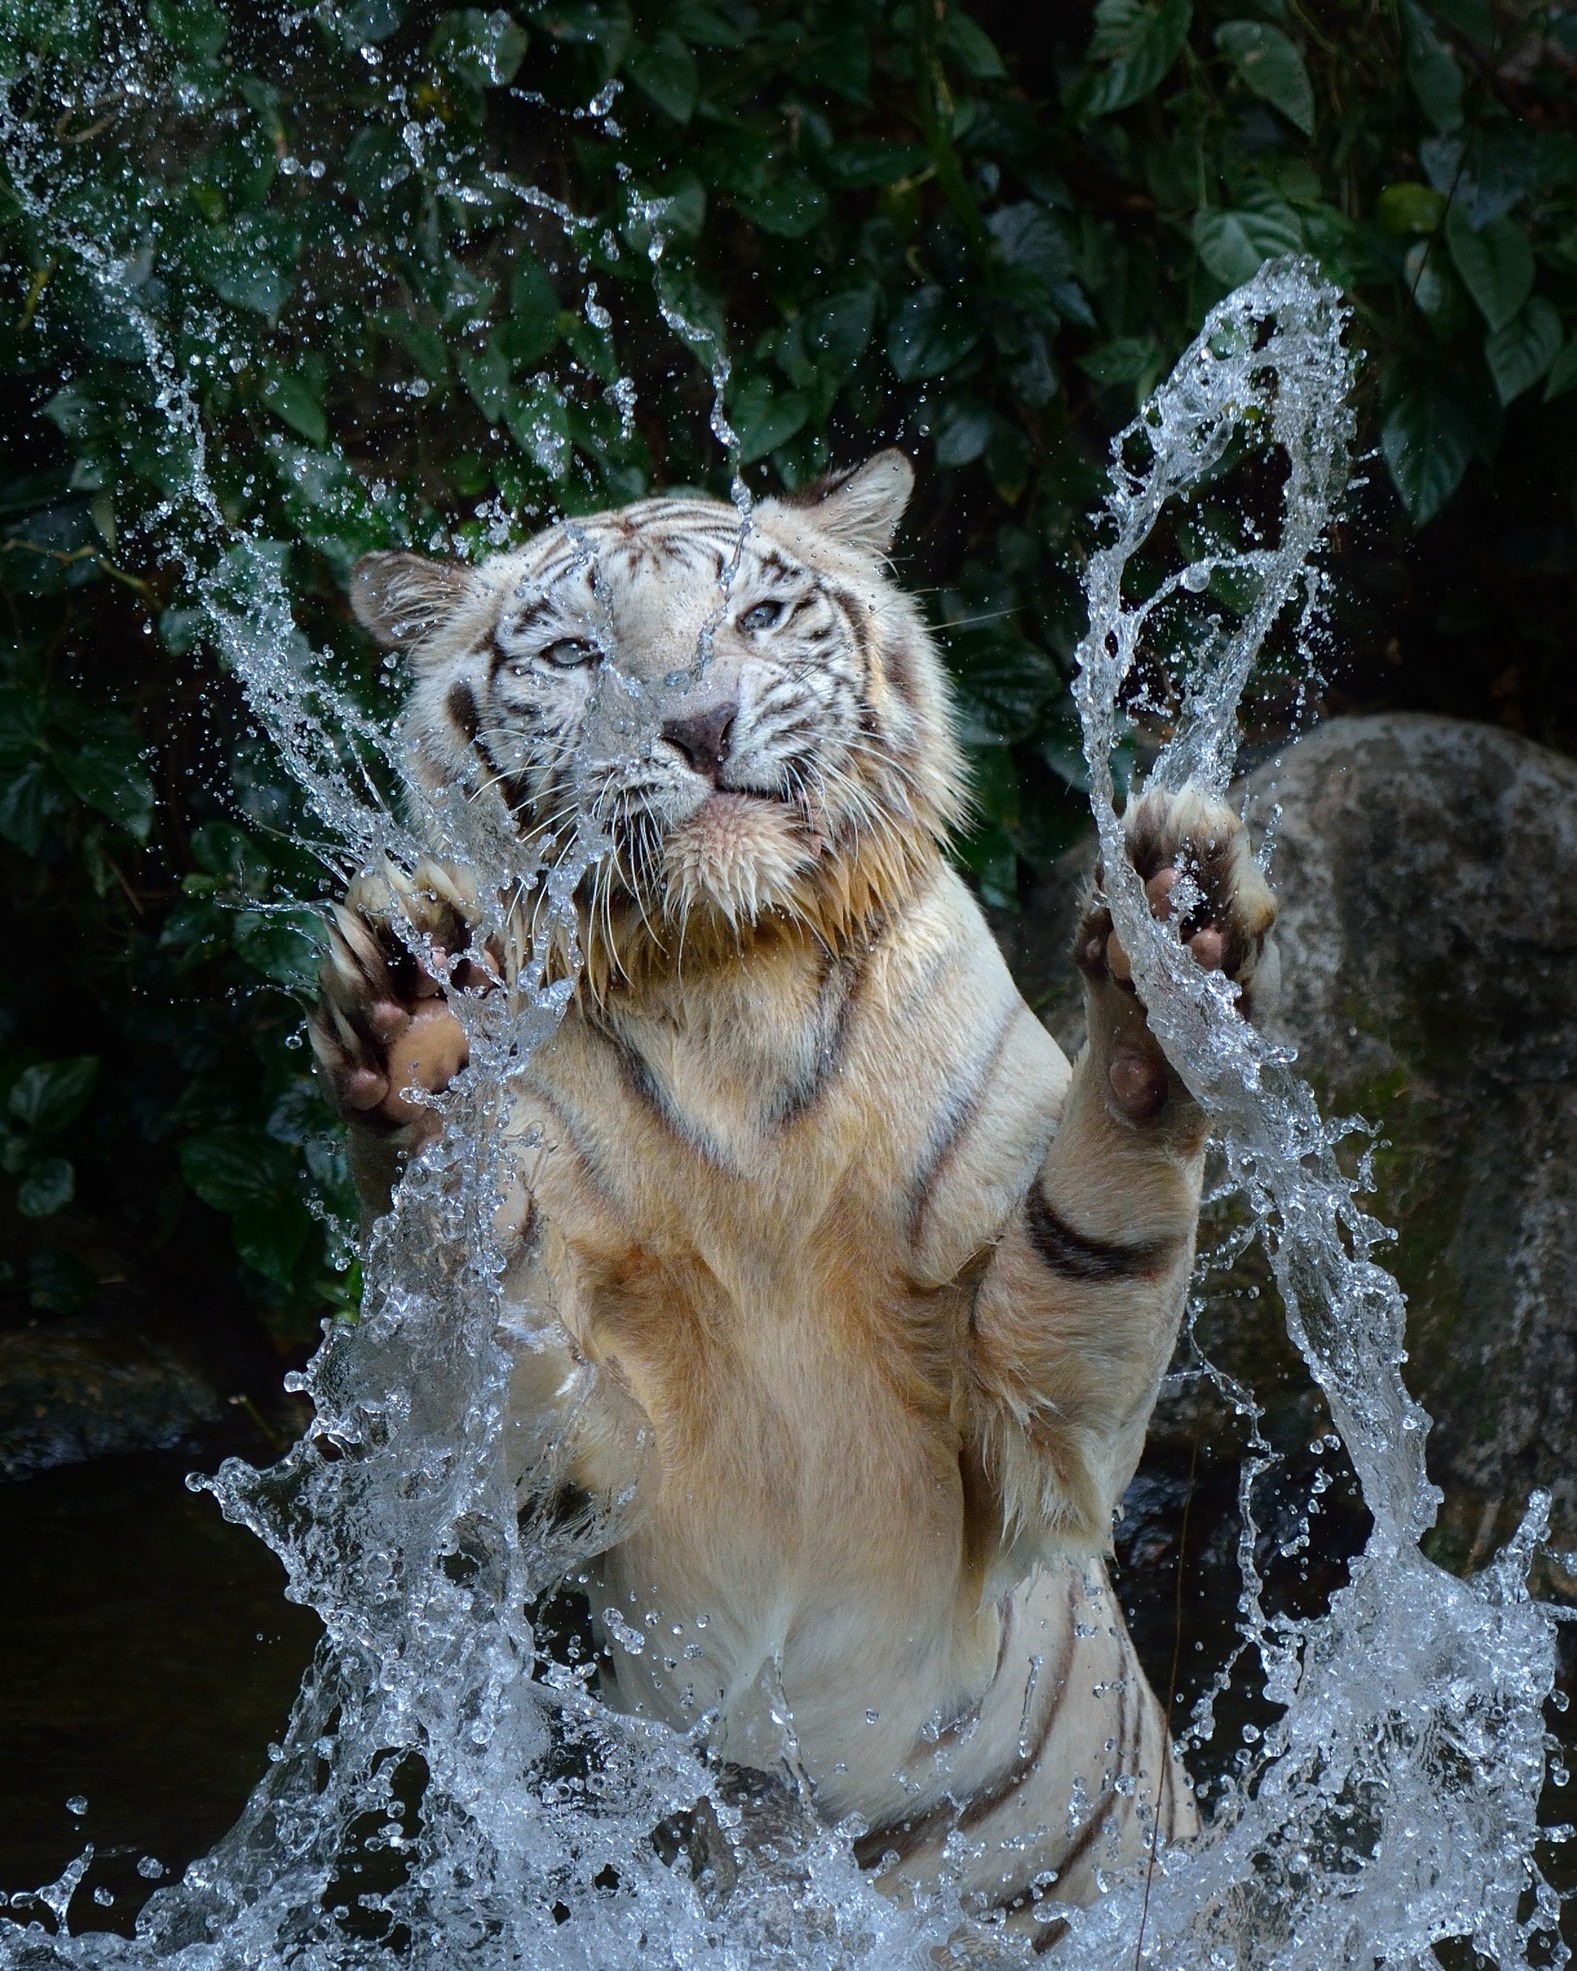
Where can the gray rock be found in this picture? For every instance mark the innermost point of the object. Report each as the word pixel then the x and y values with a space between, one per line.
pixel 77 1389
pixel 1427 871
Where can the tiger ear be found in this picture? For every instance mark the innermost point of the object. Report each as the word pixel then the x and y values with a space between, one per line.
pixel 864 505
pixel 402 598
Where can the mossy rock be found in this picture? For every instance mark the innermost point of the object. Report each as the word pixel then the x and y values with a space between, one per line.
pixel 1427 874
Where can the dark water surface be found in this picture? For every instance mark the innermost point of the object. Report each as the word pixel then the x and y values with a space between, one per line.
pixel 147 1658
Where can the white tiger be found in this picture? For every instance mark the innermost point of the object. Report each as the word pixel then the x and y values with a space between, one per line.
pixel 863 1295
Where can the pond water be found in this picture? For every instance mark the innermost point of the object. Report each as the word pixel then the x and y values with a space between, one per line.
pixel 147 1657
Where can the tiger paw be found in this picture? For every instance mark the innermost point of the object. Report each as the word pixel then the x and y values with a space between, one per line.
pixel 1192 855
pixel 383 1030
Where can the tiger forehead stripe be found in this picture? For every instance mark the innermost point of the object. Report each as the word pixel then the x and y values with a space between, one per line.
pixel 689 534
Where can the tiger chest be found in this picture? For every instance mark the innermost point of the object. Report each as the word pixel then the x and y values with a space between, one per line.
pixel 751 1288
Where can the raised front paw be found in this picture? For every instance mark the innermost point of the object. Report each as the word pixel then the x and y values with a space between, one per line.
pixel 383 1028
pixel 1192 853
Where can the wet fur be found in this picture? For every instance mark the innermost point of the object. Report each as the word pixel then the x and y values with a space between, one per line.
pixel 838 1289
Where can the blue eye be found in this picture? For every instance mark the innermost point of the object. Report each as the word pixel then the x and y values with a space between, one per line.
pixel 764 616
pixel 570 653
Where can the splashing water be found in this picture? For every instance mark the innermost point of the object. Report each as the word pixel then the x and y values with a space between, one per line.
pixel 447 1795
pixel 1395 1802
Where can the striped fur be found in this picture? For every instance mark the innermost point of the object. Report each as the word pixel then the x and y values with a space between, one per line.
pixel 838 1289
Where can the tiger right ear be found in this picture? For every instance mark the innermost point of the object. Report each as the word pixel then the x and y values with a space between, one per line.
pixel 402 598
pixel 864 505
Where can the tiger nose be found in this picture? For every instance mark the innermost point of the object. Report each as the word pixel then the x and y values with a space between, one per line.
pixel 702 737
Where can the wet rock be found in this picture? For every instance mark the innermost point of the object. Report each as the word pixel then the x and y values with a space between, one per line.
pixel 1427 871
pixel 77 1389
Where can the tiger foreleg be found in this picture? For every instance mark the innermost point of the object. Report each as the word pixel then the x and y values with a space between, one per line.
pixel 1077 1315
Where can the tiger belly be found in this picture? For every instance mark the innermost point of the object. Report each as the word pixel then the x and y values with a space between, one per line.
pixel 1056 1769
pixel 1064 1769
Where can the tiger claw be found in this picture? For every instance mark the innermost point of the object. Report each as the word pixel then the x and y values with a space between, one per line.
pixel 1192 853
pixel 383 1031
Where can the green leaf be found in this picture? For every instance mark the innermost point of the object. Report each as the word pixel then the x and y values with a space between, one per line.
pixel 1474 19
pixel 293 400
pixel 486 375
pixel 988 854
pixel 482 49
pixel 1496 264
pixel 960 431
pixel 284 945
pixel 1134 359
pixel 789 208
pixel 28 798
pixel 192 27
pixel 50 1095
pixel 270 1237
pixel 356 22
pixel 1004 682
pixel 232 1168
pixel 250 262
pixel 608 29
pixel 929 333
pixel 538 421
pixel 1563 373
pixel 294 403
pixel 1410 208
pixel 221 849
pixel 424 344
pixel 106 771
pixel 1138 41
pixel 683 199
pixel 666 72
pixel 1520 353
pixel 1430 281
pixel 46 1188
pixel 971 47
pixel 1426 441
pixel 1269 63
pixel 1035 260
pixel 1235 245
pixel 836 333
pixel 21 724
pixel 838 61
pixel 1431 69
pixel 375 163
pixel 874 161
pixel 764 418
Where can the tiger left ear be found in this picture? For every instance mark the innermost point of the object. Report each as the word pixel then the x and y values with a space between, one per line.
pixel 863 506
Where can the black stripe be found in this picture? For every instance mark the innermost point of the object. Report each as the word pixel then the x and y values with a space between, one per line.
pixel 517 795
pixel 899 668
pixel 580 1144
pixel 857 618
pixel 460 704
pixel 643 1083
pixel 839 987
pixel 960 1109
pixel 906 1837
pixel 1074 1255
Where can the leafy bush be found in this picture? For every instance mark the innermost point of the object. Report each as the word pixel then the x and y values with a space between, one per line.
pixel 430 276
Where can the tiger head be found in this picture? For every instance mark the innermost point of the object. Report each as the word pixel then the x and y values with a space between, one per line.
pixel 747 719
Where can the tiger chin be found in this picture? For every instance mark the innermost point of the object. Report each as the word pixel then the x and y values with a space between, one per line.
pixel 827 1266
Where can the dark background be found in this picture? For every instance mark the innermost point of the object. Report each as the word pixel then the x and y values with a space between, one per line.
pixel 982 233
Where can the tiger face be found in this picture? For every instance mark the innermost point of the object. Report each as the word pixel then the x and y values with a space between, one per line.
pixel 740 720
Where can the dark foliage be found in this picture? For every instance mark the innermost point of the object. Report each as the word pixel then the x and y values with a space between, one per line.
pixel 398 269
